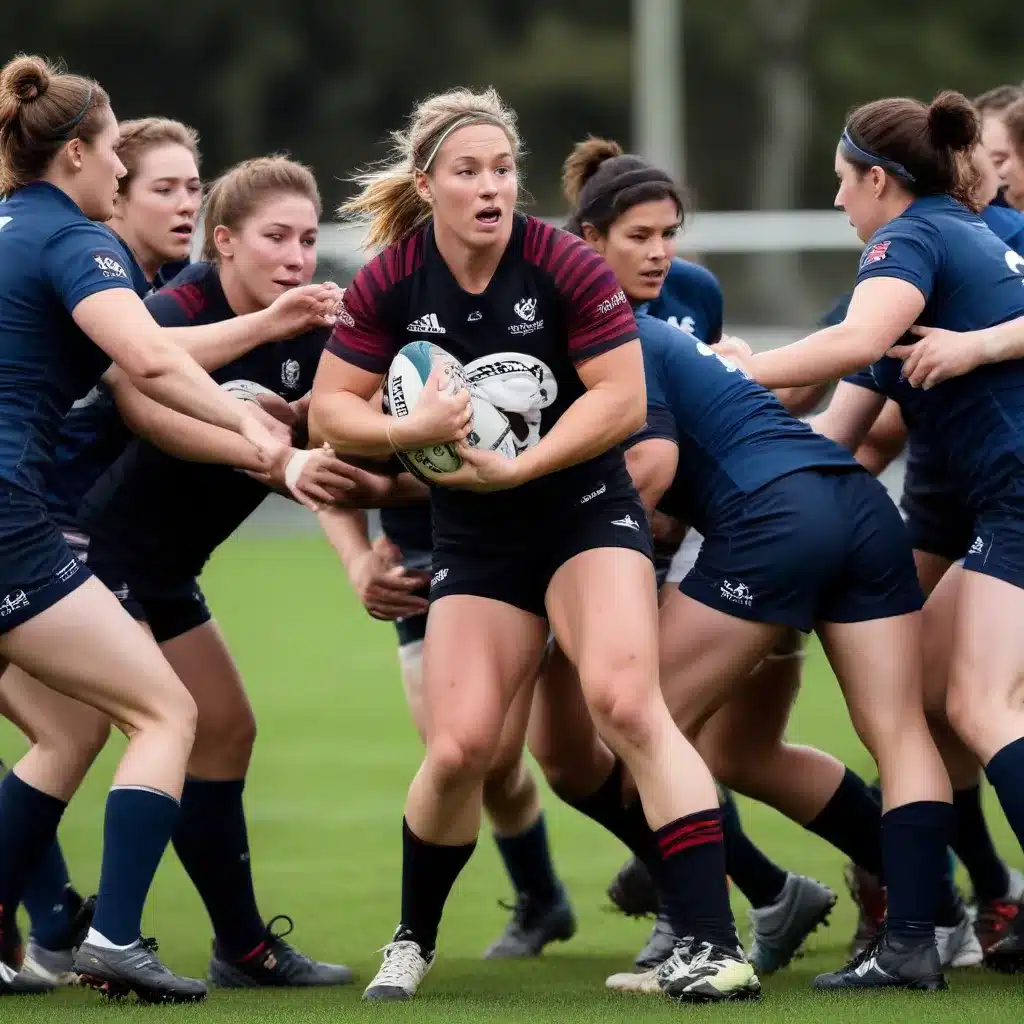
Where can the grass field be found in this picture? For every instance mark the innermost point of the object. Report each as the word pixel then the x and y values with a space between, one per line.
pixel 333 759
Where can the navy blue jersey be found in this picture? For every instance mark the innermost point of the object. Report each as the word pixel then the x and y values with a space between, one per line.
pixel 734 436
pixel 51 258
pixel 691 300
pixel 970 280
pixel 91 437
pixel 1005 221
pixel 163 517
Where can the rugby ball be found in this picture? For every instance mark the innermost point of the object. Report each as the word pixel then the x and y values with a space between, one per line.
pixel 406 378
pixel 246 390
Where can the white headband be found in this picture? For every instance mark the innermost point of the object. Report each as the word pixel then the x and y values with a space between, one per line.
pixel 476 117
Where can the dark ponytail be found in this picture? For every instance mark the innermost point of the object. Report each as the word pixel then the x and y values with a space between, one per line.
pixel 926 148
pixel 601 183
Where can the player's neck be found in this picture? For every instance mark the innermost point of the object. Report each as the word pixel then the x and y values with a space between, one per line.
pixel 148 261
pixel 471 266
pixel 238 298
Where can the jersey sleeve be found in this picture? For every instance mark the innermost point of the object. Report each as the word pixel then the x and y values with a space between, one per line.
pixel 600 317
pixel 176 307
pixel 661 423
pixel 83 259
pixel 837 314
pixel 362 337
pixel 864 379
pixel 908 251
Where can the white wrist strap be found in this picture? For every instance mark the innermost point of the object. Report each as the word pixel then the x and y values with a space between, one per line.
pixel 294 467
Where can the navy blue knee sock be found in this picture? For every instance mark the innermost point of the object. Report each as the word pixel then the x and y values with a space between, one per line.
pixel 46 900
pixel 914 841
pixel 852 822
pixel 28 826
pixel 972 843
pixel 212 843
pixel 137 827
pixel 1006 774
pixel 527 858
pixel 760 879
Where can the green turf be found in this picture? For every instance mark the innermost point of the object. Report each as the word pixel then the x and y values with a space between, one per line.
pixel 332 762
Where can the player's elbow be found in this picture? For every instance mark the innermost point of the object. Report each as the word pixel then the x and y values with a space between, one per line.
pixel 156 358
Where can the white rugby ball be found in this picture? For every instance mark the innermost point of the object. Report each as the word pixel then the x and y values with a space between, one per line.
pixel 406 377
pixel 246 390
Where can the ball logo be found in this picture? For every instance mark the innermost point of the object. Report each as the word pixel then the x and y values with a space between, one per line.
pixel 290 371
pixel 109 266
pixel 520 385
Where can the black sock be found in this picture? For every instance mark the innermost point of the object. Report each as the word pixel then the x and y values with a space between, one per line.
pixel 914 838
pixel 972 843
pixel 46 900
pixel 527 860
pixel 28 827
pixel 137 827
pixel 758 878
pixel 213 846
pixel 852 822
pixel 696 891
pixel 626 823
pixel 1006 773
pixel 429 871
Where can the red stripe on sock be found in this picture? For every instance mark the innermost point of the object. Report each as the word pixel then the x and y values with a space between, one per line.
pixel 681 832
pixel 689 842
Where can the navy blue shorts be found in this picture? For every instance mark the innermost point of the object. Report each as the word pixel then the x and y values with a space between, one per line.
pixel 519 573
pixel 937 524
pixel 37 567
pixel 814 546
pixel 996 546
pixel 413 628
pixel 168 608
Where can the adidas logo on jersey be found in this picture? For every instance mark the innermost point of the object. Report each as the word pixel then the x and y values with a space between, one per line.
pixel 438 577
pixel 426 324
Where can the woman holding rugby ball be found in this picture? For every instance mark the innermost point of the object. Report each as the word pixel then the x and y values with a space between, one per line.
pixel 555 538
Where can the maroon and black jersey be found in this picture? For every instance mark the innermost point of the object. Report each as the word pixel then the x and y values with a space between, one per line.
pixel 552 304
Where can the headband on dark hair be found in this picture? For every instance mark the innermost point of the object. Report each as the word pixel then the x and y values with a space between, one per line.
pixel 65 130
pixel 859 154
pixel 619 183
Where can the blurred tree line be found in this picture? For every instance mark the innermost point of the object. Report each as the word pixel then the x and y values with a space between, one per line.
pixel 767 84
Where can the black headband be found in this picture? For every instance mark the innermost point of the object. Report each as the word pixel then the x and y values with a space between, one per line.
pixel 65 130
pixel 619 183
pixel 861 155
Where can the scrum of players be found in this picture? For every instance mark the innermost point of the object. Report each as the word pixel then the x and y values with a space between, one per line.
pixel 662 480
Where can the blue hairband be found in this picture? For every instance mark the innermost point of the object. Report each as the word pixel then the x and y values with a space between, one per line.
pixel 873 159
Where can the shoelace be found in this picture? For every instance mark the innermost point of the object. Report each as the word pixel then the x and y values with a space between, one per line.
pixel 400 960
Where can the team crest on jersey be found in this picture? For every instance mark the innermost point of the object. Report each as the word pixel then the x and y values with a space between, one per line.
pixel 876 253
pixel 290 371
pixel 520 385
pixel 526 309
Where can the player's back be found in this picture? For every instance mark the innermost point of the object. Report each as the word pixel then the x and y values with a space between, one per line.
pixel 734 436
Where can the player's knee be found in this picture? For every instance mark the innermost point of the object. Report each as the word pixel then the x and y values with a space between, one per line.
pixel 620 702
pixel 508 780
pixel 971 709
pixel 228 732
pixel 457 756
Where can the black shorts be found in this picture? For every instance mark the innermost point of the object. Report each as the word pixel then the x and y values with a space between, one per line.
pixel 996 545
pixel 37 567
pixel 937 524
pixel 518 572
pixel 413 628
pixel 814 546
pixel 168 608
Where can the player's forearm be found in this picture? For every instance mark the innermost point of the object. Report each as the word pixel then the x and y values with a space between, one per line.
pixel 182 436
pixel 351 426
pixel 598 420
pixel 1002 342
pixel 405 489
pixel 824 356
pixel 215 345
pixel 801 400
pixel 346 531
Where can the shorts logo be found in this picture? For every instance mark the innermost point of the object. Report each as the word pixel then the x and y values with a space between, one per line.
pixel 427 324
pixel 438 577
pixel 122 593
pixel 12 602
pixel 109 266
pixel 65 572
pixel 738 593
pixel 290 371
pixel 593 494
pixel 628 521
pixel 977 547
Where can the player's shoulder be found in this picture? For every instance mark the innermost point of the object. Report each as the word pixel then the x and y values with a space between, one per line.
pixel 1006 222
pixel 184 298
pixel 657 336
pixel 683 274
pixel 394 264
pixel 552 249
